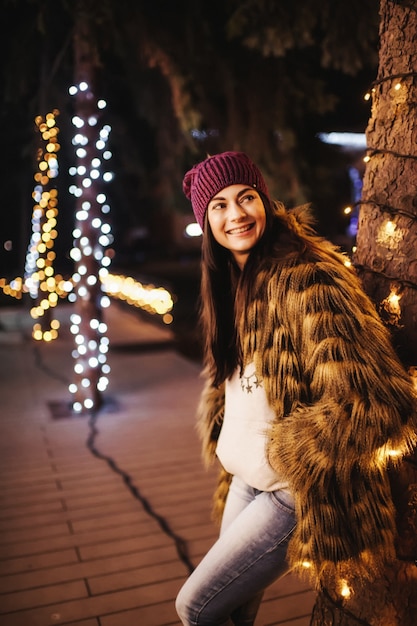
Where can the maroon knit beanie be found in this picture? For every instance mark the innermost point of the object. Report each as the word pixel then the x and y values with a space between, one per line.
pixel 207 178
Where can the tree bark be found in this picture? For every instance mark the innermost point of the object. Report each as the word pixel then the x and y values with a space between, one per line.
pixel 87 395
pixel 387 236
pixel 386 259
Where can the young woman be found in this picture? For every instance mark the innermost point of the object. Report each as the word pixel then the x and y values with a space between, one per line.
pixel 303 404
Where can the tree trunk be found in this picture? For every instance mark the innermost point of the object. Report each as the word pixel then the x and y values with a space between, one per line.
pixel 386 259
pixel 387 237
pixel 87 248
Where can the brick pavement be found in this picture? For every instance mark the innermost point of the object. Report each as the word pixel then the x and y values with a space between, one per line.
pixel 77 545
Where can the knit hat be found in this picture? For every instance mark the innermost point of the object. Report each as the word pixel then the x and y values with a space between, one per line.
pixel 207 178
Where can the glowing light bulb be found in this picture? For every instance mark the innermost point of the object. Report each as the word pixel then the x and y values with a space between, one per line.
pixel 345 591
pixel 395 453
pixel 390 227
pixel 394 298
pixel 77 121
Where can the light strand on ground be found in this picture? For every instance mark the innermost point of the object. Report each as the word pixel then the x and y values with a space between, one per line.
pixel 148 297
pixel 154 300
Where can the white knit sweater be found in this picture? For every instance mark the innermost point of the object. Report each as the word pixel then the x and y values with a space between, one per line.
pixel 241 447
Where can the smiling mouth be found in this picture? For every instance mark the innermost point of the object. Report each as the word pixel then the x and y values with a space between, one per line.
pixel 241 229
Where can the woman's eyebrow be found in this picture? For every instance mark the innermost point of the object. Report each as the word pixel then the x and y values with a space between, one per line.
pixel 217 198
pixel 245 191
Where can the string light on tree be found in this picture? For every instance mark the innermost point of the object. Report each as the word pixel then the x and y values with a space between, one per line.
pixel 390 234
pixel 390 306
pixel 91 251
pixel 40 281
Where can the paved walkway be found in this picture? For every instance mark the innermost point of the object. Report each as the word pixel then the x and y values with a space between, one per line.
pixel 99 520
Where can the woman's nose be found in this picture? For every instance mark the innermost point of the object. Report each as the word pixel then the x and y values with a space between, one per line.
pixel 236 211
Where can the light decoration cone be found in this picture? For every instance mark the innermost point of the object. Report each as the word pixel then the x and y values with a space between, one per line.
pixel 91 250
pixel 39 279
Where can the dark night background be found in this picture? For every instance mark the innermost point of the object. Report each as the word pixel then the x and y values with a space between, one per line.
pixel 262 77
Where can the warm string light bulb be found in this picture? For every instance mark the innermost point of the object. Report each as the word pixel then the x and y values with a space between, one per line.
pixel 389 234
pixel 345 590
pixel 394 299
pixel 391 308
pixel 369 94
pixel 389 227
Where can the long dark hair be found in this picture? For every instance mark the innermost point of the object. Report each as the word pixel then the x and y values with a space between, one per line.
pixel 226 291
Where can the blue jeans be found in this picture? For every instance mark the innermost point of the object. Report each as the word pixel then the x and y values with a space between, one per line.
pixel 227 586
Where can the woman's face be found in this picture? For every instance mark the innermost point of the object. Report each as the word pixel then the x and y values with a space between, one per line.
pixel 237 220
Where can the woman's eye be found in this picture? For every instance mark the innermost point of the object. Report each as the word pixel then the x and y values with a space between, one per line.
pixel 248 197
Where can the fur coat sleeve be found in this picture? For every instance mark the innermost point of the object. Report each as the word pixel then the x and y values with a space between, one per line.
pixel 345 411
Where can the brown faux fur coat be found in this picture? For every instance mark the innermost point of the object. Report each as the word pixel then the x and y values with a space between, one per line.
pixel 342 402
